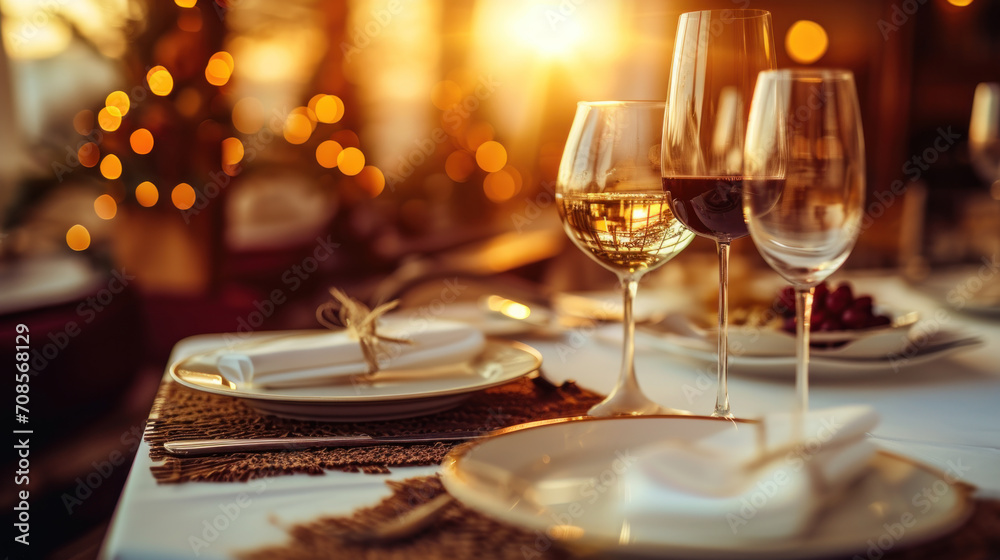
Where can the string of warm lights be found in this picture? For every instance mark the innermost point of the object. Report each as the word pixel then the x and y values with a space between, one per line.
pixel 341 151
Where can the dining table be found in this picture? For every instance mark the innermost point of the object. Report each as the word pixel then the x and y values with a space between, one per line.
pixel 943 413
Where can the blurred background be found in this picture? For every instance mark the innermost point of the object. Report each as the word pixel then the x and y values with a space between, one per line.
pixel 175 168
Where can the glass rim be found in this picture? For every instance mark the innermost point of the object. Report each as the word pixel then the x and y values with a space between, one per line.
pixel 734 13
pixel 622 103
pixel 814 73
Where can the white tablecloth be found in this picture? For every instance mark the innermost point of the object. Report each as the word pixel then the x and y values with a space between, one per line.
pixel 945 413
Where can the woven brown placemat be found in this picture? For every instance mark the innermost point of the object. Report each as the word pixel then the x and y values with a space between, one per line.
pixel 460 532
pixel 180 413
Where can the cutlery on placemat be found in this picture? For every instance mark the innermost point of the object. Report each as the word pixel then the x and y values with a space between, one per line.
pixel 190 448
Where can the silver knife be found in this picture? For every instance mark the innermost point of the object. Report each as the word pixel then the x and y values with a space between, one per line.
pixel 190 448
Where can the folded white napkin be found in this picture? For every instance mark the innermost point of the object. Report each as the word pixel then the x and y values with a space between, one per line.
pixel 321 357
pixel 753 481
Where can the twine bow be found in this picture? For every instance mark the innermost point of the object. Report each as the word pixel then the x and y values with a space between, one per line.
pixel 360 322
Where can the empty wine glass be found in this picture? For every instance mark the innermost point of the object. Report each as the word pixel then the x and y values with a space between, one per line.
pixel 614 209
pixel 804 184
pixel 717 56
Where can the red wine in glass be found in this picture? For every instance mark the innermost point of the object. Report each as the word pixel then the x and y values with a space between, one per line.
pixel 709 206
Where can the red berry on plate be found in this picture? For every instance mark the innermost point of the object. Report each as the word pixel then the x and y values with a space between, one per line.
pixel 855 318
pixel 818 317
pixel 863 303
pixel 839 299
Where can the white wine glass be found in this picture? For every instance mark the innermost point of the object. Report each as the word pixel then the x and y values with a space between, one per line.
pixel 717 56
pixel 804 184
pixel 613 208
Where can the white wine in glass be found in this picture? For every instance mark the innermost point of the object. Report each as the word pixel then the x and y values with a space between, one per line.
pixel 613 208
pixel 804 183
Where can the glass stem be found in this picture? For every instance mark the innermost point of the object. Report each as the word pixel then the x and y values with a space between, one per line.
pixel 722 398
pixel 803 314
pixel 627 380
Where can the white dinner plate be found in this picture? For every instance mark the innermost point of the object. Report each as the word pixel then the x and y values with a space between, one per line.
pixel 823 364
pixel 387 395
pixel 566 480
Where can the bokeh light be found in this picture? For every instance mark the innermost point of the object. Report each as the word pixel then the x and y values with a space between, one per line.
pixel 371 179
pixel 111 167
pixel 89 154
pixel 491 156
pixel 351 161
pixel 232 151
pixel 109 118
pixel 146 194
pixel 186 3
pixel 329 109
pixel 219 68
pixel 248 115
pixel 141 141
pixel 78 238
pixel 459 166
pixel 105 207
pixel 499 186
pixel 806 41
pixel 327 152
pixel 960 3
pixel 83 122
pixel 182 196
pixel 118 100
pixel 160 81
pixel 298 128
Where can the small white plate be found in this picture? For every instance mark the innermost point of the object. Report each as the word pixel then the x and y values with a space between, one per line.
pixel 387 396
pixel 773 342
pixel 576 468
pixel 823 363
